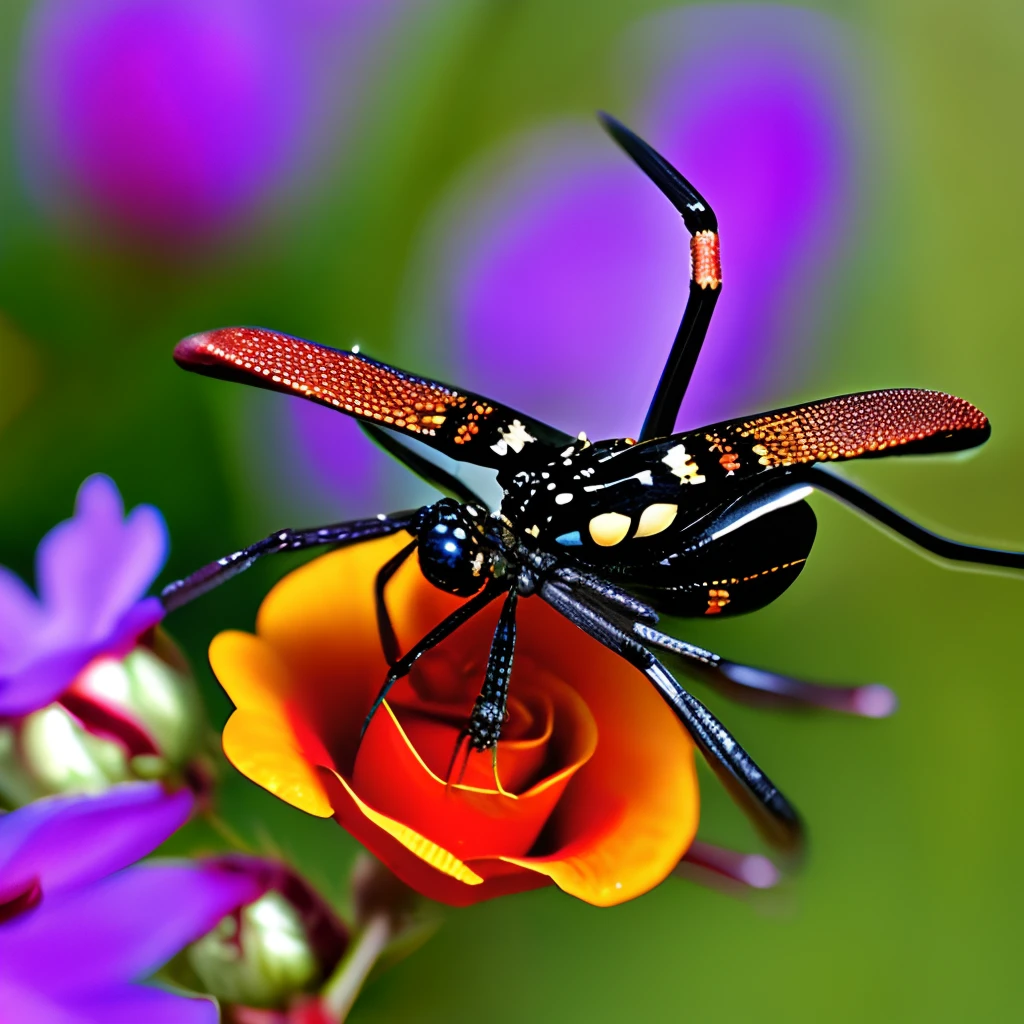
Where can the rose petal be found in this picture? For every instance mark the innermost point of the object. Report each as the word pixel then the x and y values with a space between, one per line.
pixel 626 817
pixel 471 823
pixel 336 653
pixel 259 738
pixel 632 810
pixel 70 841
pixel 433 871
pixel 518 762
pixel 120 929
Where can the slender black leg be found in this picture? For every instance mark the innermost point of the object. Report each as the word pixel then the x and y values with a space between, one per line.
pixel 488 715
pixel 422 467
pixel 705 278
pixel 388 640
pixel 742 683
pixel 863 502
pixel 748 870
pixel 442 630
pixel 755 793
pixel 614 599
pixel 755 686
pixel 174 595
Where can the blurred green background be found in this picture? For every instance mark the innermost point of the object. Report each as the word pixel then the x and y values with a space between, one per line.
pixel 910 904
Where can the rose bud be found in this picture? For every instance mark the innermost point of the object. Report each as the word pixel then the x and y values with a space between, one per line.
pixel 271 952
pixel 136 717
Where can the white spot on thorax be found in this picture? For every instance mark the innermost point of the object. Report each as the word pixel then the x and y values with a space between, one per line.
pixel 682 465
pixel 514 436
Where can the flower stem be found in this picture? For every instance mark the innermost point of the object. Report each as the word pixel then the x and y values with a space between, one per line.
pixel 227 833
pixel 344 986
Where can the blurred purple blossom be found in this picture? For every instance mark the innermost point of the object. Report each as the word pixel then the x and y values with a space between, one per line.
pixel 92 572
pixel 169 119
pixel 562 285
pixel 79 931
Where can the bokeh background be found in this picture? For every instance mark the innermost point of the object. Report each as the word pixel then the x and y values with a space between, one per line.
pixel 427 178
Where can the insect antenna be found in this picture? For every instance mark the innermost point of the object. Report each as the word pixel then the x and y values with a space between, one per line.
pixel 705 277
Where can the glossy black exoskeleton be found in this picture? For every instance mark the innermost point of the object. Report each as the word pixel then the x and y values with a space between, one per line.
pixel 609 533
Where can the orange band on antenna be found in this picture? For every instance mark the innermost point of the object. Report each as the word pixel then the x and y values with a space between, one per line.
pixel 707 259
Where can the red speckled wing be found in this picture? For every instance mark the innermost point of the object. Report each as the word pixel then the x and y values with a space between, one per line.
pixel 873 423
pixel 464 426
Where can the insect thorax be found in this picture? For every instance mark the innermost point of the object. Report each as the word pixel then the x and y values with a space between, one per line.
pixel 615 501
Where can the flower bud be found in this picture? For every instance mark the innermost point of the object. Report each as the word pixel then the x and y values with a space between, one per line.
pixel 274 949
pixel 137 717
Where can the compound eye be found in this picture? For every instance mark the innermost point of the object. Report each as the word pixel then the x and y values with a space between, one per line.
pixel 451 555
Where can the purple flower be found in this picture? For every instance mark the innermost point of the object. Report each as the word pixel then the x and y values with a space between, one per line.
pixel 92 572
pixel 79 930
pixel 167 120
pixel 561 277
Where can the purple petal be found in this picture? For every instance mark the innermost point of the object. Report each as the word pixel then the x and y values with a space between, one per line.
pixel 92 568
pixel 21 617
pixel 135 1004
pixel 582 267
pixel 127 1004
pixel 759 114
pixel 21 1003
pixel 68 842
pixel 44 679
pixel 562 290
pixel 165 118
pixel 41 681
pixel 120 929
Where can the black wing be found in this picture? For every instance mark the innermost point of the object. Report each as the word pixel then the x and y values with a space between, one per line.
pixel 632 505
pixel 870 424
pixel 462 425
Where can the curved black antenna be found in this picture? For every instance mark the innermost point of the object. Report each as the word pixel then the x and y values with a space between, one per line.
pixel 705 277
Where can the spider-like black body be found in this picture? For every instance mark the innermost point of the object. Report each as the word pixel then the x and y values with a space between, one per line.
pixel 610 533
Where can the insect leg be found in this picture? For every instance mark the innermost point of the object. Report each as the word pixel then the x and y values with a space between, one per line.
pixel 761 688
pixel 441 631
pixel 750 870
pixel 705 277
pixel 614 599
pixel 488 715
pixel 388 640
pixel 870 506
pixel 740 682
pixel 754 792
pixel 180 592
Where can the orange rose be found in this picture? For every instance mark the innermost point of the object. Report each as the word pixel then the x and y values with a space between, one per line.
pixel 594 787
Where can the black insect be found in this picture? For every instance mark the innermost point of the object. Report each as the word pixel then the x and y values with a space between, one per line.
pixel 610 533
